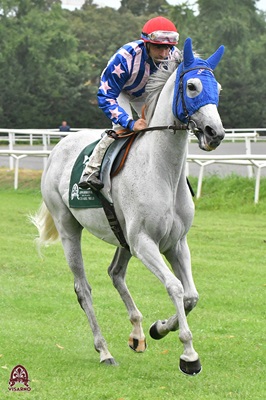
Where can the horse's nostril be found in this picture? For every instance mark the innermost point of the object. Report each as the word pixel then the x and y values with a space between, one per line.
pixel 211 132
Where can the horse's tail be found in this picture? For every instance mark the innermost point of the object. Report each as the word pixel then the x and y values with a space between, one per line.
pixel 44 222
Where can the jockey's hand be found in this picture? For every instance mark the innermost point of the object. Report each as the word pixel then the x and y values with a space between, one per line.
pixel 139 125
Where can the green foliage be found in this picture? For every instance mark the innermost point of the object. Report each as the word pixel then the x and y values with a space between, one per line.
pixel 242 30
pixel 43 72
pixel 51 59
pixel 184 19
pixel 140 7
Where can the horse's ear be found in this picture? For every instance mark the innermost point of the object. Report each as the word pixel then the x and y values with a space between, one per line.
pixel 215 58
pixel 188 53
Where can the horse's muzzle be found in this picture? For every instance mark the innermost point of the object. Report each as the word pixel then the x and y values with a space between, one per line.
pixel 209 139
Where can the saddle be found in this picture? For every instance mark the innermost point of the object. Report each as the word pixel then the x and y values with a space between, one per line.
pixel 112 163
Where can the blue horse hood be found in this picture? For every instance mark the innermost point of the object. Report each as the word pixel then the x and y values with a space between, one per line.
pixel 194 67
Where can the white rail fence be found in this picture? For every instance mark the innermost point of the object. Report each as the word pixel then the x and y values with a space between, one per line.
pixel 16 155
pixel 252 161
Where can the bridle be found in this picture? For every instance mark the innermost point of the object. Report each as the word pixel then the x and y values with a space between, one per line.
pixel 190 125
pixel 181 91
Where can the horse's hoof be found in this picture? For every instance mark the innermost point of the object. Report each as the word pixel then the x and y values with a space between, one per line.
pixel 109 361
pixel 154 331
pixel 190 367
pixel 138 345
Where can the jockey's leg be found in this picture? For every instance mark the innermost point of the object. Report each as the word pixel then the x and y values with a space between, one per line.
pixel 91 172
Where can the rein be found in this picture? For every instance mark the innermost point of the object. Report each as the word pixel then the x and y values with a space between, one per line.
pixel 122 133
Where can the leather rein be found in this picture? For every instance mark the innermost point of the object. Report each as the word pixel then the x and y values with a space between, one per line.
pixel 122 133
pixel 190 125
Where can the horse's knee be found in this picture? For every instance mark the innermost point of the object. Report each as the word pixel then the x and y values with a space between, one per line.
pixel 175 290
pixel 190 302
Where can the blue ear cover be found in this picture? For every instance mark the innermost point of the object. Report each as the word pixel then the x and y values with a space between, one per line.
pixel 209 94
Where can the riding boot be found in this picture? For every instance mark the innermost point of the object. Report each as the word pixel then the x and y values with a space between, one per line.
pixel 91 181
pixel 90 177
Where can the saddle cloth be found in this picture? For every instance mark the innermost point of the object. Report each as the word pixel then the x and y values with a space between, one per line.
pixel 86 198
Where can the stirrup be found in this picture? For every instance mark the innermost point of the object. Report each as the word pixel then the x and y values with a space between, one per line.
pixel 94 182
pixel 83 183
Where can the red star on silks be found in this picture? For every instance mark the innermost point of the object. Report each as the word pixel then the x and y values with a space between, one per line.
pixel 104 86
pixel 111 101
pixel 115 113
pixel 117 70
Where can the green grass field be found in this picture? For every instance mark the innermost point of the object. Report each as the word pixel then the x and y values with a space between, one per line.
pixel 43 328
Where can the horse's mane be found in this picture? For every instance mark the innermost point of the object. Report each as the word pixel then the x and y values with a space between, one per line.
pixel 155 85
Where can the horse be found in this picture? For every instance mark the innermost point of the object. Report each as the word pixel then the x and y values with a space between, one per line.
pixel 151 197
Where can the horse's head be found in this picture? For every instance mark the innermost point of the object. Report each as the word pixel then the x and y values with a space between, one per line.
pixel 196 97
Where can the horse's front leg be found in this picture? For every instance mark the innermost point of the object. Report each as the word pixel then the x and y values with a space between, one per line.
pixel 180 260
pixel 151 257
pixel 117 272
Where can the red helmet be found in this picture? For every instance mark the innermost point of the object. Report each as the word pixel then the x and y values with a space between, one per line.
pixel 160 30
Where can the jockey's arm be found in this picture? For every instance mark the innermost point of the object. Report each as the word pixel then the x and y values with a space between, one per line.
pixel 113 80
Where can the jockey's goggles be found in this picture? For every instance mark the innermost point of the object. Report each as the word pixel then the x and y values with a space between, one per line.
pixel 161 37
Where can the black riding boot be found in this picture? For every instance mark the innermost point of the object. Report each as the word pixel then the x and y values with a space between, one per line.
pixel 91 181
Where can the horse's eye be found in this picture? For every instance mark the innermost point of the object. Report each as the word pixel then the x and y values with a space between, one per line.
pixel 191 86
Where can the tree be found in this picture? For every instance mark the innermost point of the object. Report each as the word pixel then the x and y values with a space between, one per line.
pixel 100 44
pixel 242 30
pixel 22 8
pixel 51 59
pixel 143 7
pixel 42 70
pixel 185 20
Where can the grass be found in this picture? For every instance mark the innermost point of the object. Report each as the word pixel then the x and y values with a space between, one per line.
pixel 44 329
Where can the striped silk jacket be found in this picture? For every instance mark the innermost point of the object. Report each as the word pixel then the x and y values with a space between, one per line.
pixel 128 71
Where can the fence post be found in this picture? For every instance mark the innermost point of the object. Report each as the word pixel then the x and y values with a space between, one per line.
pixel 10 145
pixel 44 142
pixel 248 152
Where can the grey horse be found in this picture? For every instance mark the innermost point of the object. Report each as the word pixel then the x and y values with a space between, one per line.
pixel 151 197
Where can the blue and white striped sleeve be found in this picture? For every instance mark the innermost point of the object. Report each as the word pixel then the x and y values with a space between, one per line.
pixel 113 79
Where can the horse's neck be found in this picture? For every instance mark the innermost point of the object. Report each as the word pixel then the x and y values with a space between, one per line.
pixel 167 148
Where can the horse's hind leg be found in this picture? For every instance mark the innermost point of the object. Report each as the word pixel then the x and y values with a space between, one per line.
pixel 70 232
pixel 117 272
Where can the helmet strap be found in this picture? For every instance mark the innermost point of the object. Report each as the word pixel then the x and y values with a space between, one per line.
pixel 147 45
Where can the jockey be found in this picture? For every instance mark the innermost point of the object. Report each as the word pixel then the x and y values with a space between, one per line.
pixel 123 84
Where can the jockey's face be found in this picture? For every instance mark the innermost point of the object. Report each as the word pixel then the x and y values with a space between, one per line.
pixel 158 52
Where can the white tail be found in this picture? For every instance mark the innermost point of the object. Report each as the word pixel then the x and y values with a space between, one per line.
pixel 44 222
